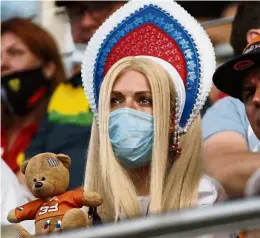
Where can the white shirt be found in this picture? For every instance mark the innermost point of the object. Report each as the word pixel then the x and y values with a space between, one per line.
pixel 210 192
pixel 13 194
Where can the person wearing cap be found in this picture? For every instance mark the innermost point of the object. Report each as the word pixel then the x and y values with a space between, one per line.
pixel 243 73
pixel 231 128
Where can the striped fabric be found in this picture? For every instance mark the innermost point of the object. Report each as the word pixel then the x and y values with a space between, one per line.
pixel 53 162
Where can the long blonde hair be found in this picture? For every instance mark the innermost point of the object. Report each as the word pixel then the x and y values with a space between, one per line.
pixel 172 185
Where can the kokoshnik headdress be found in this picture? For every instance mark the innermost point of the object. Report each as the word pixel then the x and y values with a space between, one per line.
pixel 164 32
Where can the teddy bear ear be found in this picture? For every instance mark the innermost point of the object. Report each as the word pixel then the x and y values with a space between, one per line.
pixel 64 159
pixel 24 166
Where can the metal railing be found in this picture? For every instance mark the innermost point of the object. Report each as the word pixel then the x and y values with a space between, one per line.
pixel 228 217
pixel 217 22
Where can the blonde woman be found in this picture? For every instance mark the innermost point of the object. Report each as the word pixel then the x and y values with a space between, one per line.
pixel 147 74
pixel 131 160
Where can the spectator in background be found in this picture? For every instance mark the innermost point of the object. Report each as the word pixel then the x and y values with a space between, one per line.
pixel 87 16
pixel 243 74
pixel 232 150
pixel 31 69
pixel 243 83
pixel 67 126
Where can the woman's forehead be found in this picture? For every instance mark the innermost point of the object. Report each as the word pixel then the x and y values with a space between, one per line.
pixel 131 80
pixel 11 39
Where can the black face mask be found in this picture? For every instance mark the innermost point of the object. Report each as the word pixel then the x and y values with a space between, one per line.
pixel 22 91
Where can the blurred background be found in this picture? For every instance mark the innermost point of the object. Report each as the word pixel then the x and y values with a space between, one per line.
pixel 54 19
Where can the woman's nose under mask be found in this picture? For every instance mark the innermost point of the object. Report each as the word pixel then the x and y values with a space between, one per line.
pixel 131 135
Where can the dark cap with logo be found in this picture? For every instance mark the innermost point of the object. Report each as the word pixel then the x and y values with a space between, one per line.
pixel 229 77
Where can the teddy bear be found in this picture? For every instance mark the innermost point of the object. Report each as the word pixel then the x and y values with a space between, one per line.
pixel 47 176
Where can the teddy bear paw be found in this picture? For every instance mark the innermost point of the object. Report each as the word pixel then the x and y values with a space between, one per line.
pixel 92 199
pixel 74 218
pixel 11 217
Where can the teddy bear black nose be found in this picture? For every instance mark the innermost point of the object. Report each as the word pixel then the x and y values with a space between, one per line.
pixel 38 184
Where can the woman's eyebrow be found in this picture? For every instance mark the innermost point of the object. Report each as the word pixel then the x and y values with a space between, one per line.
pixel 116 93
pixel 143 92
pixel 136 93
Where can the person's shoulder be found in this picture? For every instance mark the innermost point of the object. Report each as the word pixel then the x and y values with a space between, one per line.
pixel 228 104
pixel 210 191
pixel 228 114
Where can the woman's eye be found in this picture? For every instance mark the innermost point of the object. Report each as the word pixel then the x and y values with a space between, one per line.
pixel 15 52
pixel 146 101
pixel 115 101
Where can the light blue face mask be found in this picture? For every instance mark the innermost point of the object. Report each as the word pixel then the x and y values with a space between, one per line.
pixel 131 135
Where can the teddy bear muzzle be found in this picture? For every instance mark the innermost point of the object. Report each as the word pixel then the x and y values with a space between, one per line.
pixel 42 189
pixel 38 185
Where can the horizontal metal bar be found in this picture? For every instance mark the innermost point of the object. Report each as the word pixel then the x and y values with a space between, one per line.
pixel 227 217
pixel 217 22
pixel 211 23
